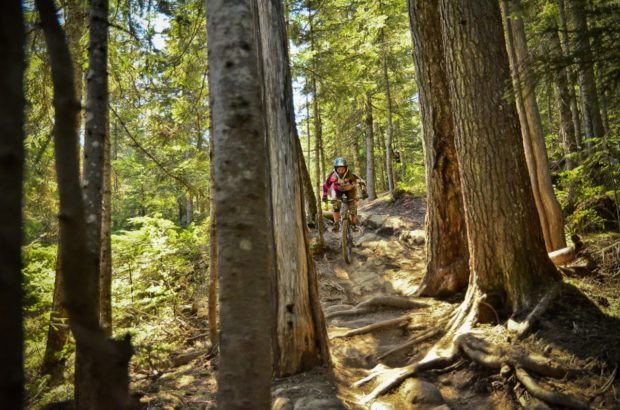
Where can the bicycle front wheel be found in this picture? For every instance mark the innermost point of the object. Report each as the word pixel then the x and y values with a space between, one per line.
pixel 347 241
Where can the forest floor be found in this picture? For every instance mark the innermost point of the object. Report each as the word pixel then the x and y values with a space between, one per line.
pixel 581 329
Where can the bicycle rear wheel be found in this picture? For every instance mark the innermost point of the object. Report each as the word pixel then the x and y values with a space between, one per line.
pixel 347 241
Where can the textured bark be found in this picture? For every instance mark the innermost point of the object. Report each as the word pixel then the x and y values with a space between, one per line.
pixel 12 106
pixel 58 330
pixel 243 230
pixel 370 149
pixel 213 276
pixel 390 129
pixel 587 84
pixel 105 278
pixel 508 261
pixel 96 133
pixel 563 98
pixel 570 75
pixel 106 385
pixel 447 269
pixel 549 211
pixel 300 328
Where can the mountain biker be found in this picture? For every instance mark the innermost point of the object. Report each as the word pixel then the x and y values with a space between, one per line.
pixel 339 181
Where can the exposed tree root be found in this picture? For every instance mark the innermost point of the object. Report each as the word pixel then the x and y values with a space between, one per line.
pixel 523 328
pixel 608 383
pixel 377 302
pixel 559 399
pixel 394 377
pixel 399 321
pixel 412 340
pixel 391 301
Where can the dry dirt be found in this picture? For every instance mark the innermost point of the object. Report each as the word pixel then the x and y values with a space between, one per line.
pixel 581 329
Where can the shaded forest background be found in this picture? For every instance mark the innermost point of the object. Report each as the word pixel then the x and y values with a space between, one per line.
pixel 356 96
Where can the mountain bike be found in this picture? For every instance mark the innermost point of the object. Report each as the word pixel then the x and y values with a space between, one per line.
pixel 345 228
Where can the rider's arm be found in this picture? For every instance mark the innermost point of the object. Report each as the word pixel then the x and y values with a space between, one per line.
pixel 327 185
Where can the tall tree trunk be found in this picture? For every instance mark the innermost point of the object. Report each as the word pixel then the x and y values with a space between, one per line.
pixel 105 279
pixel 12 105
pixel 570 74
pixel 243 230
pixel 447 269
pixel 585 59
pixel 318 143
pixel 106 385
pixel 563 98
pixel 508 262
pixel 96 133
pixel 370 149
pixel 213 264
pixel 301 342
pixel 58 329
pixel 389 131
pixel 549 210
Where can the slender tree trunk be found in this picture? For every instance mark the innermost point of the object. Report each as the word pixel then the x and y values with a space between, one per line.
pixel 105 295
pixel 570 75
pixel 96 133
pixel 563 98
pixel 390 130
pixel 447 269
pixel 370 149
pixel 508 261
pixel 301 333
pixel 106 385
pixel 381 165
pixel 549 210
pixel 12 105
pixel 213 264
pixel 58 329
pixel 587 84
pixel 243 230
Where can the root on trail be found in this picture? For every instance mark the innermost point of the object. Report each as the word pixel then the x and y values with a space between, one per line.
pixel 559 399
pixel 458 338
pixel 398 322
pixel 523 328
pixel 429 334
pixel 376 302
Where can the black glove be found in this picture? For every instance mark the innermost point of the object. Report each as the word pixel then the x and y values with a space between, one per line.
pixel 324 199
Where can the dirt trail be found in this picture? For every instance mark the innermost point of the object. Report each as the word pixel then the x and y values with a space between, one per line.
pixel 389 263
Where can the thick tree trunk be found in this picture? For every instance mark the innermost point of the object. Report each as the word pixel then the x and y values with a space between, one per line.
pixel 447 269
pixel 390 130
pixel 508 261
pixel 549 211
pixel 370 149
pixel 563 98
pixel 570 75
pixel 106 385
pixel 301 342
pixel 96 133
pixel 243 230
pixel 12 104
pixel 58 330
pixel 585 59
